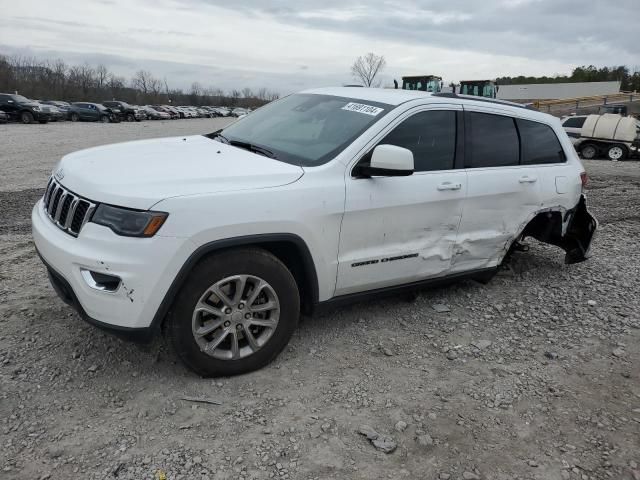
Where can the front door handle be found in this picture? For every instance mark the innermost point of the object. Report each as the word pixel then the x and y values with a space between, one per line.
pixel 528 179
pixel 449 186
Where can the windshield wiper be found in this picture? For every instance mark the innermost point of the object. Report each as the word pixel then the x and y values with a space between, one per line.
pixel 244 145
pixel 253 148
pixel 219 136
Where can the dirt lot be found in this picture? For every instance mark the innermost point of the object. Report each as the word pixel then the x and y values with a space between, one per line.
pixel 533 376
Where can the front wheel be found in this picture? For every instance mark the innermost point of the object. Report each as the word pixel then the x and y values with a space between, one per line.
pixel 617 152
pixel 130 118
pixel 588 151
pixel 75 117
pixel 26 117
pixel 104 119
pixel 235 313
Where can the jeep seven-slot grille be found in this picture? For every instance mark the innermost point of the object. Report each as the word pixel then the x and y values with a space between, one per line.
pixel 67 210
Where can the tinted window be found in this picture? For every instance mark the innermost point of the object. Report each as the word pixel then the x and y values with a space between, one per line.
pixel 575 122
pixel 431 136
pixel 539 143
pixel 492 140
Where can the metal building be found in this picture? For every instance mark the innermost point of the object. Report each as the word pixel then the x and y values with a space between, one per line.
pixel 556 91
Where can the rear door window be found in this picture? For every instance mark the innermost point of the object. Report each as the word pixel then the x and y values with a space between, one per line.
pixel 539 143
pixel 492 140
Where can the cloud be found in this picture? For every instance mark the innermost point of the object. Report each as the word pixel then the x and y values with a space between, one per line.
pixel 287 45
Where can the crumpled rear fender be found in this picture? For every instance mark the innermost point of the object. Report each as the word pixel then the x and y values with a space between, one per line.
pixel 572 230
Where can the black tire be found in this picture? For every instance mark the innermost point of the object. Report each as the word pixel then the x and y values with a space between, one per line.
pixel 26 117
pixel 130 117
pixel 44 121
pixel 75 117
pixel 246 261
pixel 617 152
pixel 589 151
pixel 104 118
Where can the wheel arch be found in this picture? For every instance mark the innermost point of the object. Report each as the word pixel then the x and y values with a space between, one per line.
pixel 571 229
pixel 289 248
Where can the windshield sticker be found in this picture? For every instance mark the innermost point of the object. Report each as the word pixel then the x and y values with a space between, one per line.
pixel 362 108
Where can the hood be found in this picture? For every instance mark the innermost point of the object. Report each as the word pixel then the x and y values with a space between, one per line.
pixel 141 173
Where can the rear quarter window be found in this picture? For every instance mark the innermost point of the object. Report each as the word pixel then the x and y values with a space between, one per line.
pixel 539 143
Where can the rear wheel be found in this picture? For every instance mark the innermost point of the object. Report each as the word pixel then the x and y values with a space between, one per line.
pixel 617 152
pixel 588 151
pixel 26 117
pixel 235 313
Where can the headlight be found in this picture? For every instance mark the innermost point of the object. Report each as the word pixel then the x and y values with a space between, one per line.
pixel 129 223
pixel 36 108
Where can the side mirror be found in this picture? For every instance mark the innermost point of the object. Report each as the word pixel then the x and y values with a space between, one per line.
pixel 388 161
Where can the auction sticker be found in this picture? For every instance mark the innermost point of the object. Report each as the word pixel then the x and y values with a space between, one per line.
pixel 362 108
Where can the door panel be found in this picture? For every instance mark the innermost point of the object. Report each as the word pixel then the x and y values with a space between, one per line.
pixel 398 230
pixel 498 201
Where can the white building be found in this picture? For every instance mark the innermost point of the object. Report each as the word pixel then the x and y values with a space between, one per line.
pixel 557 91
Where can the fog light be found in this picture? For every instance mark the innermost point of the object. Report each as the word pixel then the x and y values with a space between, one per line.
pixel 100 281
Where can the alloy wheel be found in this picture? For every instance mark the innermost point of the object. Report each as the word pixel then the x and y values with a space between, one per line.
pixel 235 317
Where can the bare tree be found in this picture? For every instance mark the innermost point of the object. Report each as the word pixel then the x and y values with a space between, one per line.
pixel 102 74
pixel 365 69
pixel 142 81
pixel 53 79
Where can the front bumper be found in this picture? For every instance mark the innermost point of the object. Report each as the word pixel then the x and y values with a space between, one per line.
pixel 146 267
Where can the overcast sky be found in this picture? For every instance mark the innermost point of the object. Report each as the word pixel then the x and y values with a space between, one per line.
pixel 288 45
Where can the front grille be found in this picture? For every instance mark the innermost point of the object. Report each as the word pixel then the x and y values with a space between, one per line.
pixel 67 210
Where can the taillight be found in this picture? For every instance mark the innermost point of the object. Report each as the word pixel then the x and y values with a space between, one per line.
pixel 584 179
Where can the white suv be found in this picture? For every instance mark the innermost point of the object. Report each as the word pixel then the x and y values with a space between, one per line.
pixel 331 194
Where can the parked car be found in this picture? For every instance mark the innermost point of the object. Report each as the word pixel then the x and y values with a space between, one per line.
pixel 4 118
pixel 55 113
pixel 125 111
pixel 318 198
pixel 60 105
pixel 174 110
pixel 163 108
pixel 91 112
pixel 236 112
pixel 153 114
pixel 223 111
pixel 21 109
pixel 573 126
pixel 187 112
pixel 610 135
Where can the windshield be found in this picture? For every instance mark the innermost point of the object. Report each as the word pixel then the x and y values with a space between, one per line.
pixel 306 129
pixel 19 98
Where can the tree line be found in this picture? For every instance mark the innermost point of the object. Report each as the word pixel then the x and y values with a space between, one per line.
pixel 57 80
pixel 629 81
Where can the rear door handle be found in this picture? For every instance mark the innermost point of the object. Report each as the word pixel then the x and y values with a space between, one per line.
pixel 528 179
pixel 449 186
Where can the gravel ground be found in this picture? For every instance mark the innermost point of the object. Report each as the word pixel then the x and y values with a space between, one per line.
pixel 533 376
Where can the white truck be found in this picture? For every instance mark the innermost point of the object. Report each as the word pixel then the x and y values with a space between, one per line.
pixel 610 135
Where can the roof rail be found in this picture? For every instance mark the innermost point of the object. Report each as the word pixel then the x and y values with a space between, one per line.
pixel 479 99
